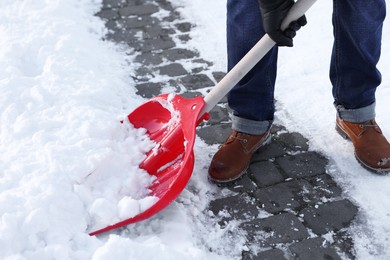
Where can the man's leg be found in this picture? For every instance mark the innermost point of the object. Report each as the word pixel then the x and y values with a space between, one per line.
pixel 354 76
pixel 252 99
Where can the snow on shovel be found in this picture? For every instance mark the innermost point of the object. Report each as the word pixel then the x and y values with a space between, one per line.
pixel 171 120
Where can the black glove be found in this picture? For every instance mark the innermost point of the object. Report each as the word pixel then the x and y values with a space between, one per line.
pixel 273 13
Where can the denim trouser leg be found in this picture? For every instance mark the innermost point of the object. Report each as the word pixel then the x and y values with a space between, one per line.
pixel 252 99
pixel 356 51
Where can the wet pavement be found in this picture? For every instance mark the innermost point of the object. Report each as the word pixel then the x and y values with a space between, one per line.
pixel 287 203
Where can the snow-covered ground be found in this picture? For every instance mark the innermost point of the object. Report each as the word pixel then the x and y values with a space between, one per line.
pixel 65 158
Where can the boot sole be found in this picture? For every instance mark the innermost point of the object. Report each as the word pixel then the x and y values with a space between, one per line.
pixel 341 132
pixel 239 176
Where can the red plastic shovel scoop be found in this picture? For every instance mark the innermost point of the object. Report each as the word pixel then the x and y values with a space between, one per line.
pixel 171 120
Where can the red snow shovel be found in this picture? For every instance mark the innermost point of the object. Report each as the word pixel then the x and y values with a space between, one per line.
pixel 171 120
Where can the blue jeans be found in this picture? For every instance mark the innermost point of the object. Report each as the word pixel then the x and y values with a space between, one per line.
pixel 357 44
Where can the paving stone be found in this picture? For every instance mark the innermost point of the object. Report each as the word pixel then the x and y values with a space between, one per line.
pixel 144 72
pixel 184 38
pixel 156 44
pixel 202 61
pixel 183 27
pixel 110 4
pixel 155 31
pixel 197 70
pixel 282 228
pixel 178 54
pixel 113 25
pixel 214 134
pixel 223 101
pixel 294 141
pixel 137 22
pixel 275 129
pixel 331 216
pixel 265 173
pixel 303 164
pixel 108 14
pixel 136 2
pixel 243 185
pixel 314 248
pixel 173 16
pixel 272 254
pixel 286 195
pixel 197 81
pixel 344 242
pixel 218 75
pixel 121 36
pixel 273 150
pixel 218 114
pixel 172 70
pixel 138 10
pixel 166 5
pixel 240 207
pixel 149 58
pixel 149 90
pixel 325 186
pixel 191 94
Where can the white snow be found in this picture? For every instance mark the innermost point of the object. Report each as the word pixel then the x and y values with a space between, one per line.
pixel 68 165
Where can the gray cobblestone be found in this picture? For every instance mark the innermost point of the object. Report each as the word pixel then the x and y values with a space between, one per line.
pixel 314 248
pixel 138 10
pixel 172 70
pixel 183 27
pixel 236 207
pixel 149 58
pixel 272 254
pixel 110 4
pixel 325 186
pixel 243 185
pixel 218 75
pixel 214 134
pixel 294 141
pixel 178 54
pixel 331 216
pixel 149 90
pixel 274 150
pixel 109 14
pixel 284 196
pixel 302 164
pixel 137 22
pixel 218 114
pixel 265 173
pixel 282 228
pixel 197 81
pixel 155 44
pixel 135 2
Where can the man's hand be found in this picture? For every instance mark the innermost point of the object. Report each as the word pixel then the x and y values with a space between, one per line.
pixel 273 13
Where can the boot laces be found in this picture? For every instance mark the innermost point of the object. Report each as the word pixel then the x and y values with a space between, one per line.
pixel 239 137
pixel 368 124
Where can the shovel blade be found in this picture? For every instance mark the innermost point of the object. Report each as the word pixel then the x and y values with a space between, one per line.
pixel 170 121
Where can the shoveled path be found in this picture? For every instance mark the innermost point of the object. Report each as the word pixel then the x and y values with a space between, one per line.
pixel 288 204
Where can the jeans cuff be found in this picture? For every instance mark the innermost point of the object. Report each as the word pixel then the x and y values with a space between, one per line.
pixel 356 115
pixel 250 126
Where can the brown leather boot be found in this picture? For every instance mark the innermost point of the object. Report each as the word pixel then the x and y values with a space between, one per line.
pixel 233 157
pixel 372 149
